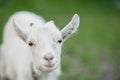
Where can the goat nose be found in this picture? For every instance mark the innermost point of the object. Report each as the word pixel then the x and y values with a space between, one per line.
pixel 48 57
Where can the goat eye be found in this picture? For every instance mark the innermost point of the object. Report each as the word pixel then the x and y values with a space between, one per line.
pixel 59 41
pixel 31 44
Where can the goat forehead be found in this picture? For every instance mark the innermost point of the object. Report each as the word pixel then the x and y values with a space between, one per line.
pixel 46 30
pixel 44 34
pixel 48 27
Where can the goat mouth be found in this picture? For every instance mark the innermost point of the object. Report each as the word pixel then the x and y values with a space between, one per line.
pixel 48 67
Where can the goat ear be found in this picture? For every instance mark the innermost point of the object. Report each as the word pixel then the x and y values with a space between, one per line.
pixel 20 31
pixel 71 27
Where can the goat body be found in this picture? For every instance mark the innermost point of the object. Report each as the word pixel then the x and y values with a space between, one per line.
pixel 28 44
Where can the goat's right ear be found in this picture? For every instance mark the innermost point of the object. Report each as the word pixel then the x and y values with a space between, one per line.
pixel 20 31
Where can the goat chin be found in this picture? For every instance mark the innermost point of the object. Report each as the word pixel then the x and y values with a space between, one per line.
pixel 44 68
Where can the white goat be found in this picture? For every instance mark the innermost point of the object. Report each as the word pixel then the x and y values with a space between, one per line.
pixel 31 47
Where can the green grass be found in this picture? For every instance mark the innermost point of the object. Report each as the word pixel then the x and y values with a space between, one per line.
pixel 96 43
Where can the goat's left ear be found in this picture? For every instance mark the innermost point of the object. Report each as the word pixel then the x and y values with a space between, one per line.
pixel 20 31
pixel 71 27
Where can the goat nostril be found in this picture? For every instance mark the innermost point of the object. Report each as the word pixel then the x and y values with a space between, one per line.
pixel 51 58
pixel 48 58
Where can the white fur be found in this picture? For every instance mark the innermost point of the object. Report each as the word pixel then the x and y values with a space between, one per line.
pixel 19 60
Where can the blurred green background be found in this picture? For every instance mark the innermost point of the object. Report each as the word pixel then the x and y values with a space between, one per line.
pixel 93 52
